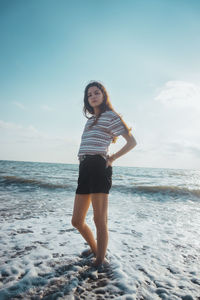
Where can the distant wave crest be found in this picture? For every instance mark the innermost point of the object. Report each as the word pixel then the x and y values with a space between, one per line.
pixel 160 189
pixel 173 191
pixel 8 180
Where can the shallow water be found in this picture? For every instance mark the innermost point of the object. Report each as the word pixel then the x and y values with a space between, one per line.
pixel 154 240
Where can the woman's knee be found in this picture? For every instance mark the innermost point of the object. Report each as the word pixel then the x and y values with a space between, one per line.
pixel 77 223
pixel 100 222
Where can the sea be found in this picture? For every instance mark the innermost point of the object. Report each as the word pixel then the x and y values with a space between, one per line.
pixel 154 235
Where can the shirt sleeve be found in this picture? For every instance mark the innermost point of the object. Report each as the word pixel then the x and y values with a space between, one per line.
pixel 116 126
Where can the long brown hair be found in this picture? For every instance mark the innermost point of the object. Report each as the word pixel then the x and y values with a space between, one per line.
pixel 104 106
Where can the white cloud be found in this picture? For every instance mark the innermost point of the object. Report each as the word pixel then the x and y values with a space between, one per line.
pixel 20 105
pixel 19 130
pixel 180 94
pixel 172 137
pixel 9 125
pixel 30 144
pixel 47 108
pixel 28 134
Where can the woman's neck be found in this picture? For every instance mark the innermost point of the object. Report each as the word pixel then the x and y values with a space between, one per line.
pixel 96 111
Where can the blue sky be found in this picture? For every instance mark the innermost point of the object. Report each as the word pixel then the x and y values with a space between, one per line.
pixel 145 52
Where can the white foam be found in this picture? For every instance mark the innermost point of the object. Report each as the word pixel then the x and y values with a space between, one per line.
pixel 153 250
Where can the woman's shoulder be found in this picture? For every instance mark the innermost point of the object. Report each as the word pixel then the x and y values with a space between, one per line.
pixel 110 113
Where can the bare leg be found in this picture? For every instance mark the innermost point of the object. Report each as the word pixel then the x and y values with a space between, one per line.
pixel 100 208
pixel 81 205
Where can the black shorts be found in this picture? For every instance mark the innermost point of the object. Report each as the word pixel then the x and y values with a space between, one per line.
pixel 94 177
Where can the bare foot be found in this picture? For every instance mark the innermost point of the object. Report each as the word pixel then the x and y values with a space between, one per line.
pixel 87 252
pixel 98 263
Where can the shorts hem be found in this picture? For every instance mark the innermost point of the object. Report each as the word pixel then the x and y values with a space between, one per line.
pixel 85 193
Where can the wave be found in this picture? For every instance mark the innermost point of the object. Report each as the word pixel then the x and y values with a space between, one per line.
pixel 164 190
pixel 173 191
pixel 8 180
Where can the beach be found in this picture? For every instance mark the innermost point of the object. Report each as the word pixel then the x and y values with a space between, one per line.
pixel 154 238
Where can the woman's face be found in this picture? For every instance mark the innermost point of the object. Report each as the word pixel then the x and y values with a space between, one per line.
pixel 95 96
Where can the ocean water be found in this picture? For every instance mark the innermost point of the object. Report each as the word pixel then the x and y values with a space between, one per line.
pixel 154 235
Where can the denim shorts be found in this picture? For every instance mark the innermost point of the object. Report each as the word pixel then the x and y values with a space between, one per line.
pixel 94 176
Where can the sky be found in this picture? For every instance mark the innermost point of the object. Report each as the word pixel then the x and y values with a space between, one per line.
pixel 145 52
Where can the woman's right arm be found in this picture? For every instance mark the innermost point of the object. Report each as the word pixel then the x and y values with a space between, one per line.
pixel 130 144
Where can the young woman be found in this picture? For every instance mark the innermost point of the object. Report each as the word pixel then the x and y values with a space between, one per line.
pixel 95 168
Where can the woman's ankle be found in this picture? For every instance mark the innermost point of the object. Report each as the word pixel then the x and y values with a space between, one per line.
pixel 88 252
pixel 97 262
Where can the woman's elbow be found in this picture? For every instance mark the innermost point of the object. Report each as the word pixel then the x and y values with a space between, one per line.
pixel 132 142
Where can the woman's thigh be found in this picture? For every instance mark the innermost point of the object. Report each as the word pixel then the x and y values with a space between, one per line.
pixel 100 206
pixel 81 205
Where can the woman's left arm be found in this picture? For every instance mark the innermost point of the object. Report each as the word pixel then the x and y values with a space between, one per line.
pixel 130 144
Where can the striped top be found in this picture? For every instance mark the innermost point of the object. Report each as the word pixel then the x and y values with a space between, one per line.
pixel 96 140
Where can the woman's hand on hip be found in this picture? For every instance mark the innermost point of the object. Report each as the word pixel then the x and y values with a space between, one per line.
pixel 110 161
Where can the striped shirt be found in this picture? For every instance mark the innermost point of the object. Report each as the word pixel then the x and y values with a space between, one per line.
pixel 97 139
